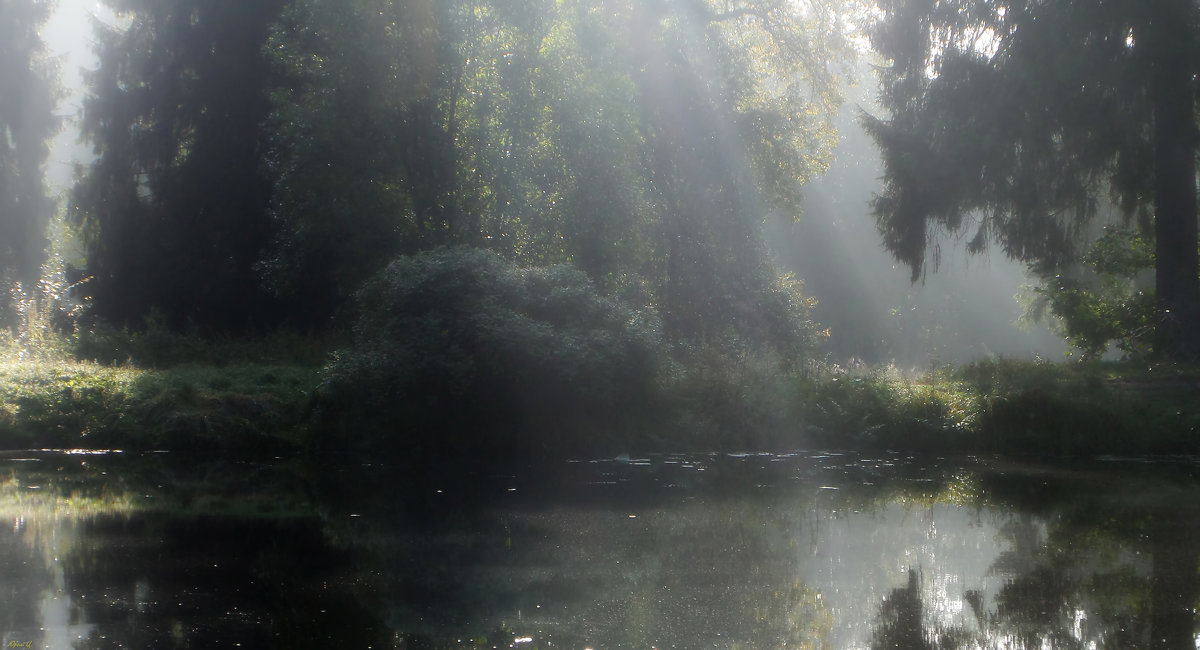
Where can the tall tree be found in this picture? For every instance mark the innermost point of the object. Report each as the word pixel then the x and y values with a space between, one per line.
pixel 1016 119
pixel 175 208
pixel 645 142
pixel 362 149
pixel 728 98
pixel 28 92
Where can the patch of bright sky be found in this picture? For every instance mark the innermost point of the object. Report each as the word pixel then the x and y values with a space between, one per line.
pixel 979 38
pixel 69 39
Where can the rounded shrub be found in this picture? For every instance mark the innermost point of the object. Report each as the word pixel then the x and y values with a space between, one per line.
pixel 459 354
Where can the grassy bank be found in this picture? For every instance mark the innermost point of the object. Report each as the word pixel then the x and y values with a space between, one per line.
pixel 249 408
pixel 1014 408
pixel 262 407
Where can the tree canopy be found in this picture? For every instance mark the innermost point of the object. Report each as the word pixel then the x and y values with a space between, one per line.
pixel 277 154
pixel 1020 121
pixel 644 143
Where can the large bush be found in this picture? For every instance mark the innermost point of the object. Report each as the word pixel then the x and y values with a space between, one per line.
pixel 458 354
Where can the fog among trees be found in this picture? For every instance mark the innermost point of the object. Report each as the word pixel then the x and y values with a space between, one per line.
pixel 816 217
pixel 671 323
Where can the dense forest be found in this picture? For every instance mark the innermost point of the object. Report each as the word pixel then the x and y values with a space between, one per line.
pixel 257 166
pixel 510 215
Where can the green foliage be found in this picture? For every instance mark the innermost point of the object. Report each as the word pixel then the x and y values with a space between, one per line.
pixel 458 354
pixel 356 155
pixel 1107 300
pixel 965 146
pixel 508 381
pixel 156 345
pixel 297 146
pixel 1120 254
pixel 644 144
pixel 59 404
pixel 730 398
pixel 1019 122
pixel 46 313
pixel 738 392
pixel 1080 409
pixel 1002 406
pixel 881 409
pixel 251 409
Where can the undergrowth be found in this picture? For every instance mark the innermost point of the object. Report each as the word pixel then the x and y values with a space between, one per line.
pixel 1011 407
pixel 156 389
pixel 54 401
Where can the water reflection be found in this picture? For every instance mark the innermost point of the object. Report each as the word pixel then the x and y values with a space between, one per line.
pixel 106 553
pixel 863 555
pixel 1113 563
pixel 809 550
pixel 1090 559
pixel 30 580
pixel 41 516
pixel 159 581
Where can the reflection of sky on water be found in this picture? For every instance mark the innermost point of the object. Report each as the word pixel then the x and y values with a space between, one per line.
pixel 849 559
pixel 39 608
pixel 805 553
pixel 88 560
pixel 44 513
pixel 855 559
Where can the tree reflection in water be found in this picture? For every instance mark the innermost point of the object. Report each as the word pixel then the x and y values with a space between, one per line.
pixel 1091 563
pixel 86 565
pixel 25 574
pixel 159 581
pixel 902 624
pixel 688 551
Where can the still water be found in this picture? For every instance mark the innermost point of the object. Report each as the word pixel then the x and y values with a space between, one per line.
pixel 799 550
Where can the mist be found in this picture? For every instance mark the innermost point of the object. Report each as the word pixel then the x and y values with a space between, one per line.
pixel 69 39
pixel 568 324
pixel 964 307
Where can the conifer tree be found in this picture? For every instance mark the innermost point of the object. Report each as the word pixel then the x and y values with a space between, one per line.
pixel 174 210
pixel 1020 120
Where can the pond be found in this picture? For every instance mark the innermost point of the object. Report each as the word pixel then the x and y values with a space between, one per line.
pixel 805 549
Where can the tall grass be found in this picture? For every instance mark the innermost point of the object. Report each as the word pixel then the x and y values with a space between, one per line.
pixel 1090 408
pixel 251 408
pixel 991 406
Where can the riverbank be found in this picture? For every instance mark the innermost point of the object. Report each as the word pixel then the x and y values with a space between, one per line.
pixel 262 408
pixel 251 409
pixel 1010 407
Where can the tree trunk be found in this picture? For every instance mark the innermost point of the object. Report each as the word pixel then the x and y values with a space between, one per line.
pixel 1177 282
